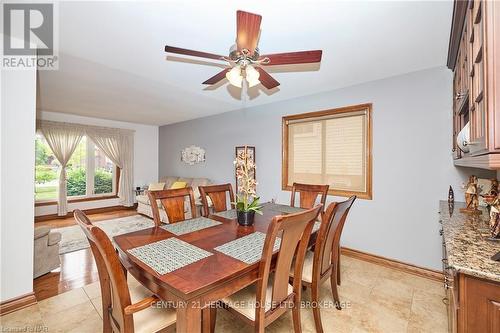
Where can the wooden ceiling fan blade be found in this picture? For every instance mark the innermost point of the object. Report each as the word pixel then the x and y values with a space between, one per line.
pixel 289 58
pixel 267 80
pixel 247 30
pixel 217 77
pixel 178 50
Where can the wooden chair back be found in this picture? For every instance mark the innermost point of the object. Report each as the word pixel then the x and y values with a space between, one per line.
pixel 217 194
pixel 173 204
pixel 294 231
pixel 308 194
pixel 114 288
pixel 327 245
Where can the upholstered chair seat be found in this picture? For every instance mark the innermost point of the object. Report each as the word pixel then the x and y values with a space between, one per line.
pixel 152 319
pixel 244 300
pixel 307 270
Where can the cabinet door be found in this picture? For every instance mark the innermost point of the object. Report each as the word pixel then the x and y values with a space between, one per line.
pixel 492 57
pixel 477 109
pixel 481 308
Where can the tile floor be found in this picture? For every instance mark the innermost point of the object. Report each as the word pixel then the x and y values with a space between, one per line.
pixel 377 299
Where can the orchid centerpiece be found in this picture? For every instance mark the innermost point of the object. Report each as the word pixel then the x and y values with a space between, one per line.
pixel 247 201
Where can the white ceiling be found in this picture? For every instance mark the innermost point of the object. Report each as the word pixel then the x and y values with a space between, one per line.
pixel 112 63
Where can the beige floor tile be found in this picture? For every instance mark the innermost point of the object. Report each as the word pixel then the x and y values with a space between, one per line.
pixel 376 299
pixel 349 290
pixel 427 285
pixel 414 281
pixel 81 318
pixel 334 320
pixel 394 288
pixel 416 326
pixel 373 318
pixel 401 306
pixel 424 302
pixel 96 302
pixel 93 290
pixel 227 323
pixel 63 301
pixel 428 313
pixel 25 320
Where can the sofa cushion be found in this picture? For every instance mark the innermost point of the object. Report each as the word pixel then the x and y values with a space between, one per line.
pixel 168 181
pixel 195 182
pixel 142 199
pixel 156 186
pixel 41 231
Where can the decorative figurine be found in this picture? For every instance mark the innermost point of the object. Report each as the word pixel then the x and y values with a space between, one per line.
pixel 494 187
pixel 471 197
pixel 451 195
pixel 494 203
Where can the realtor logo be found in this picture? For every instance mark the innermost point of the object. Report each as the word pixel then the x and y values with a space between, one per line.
pixel 29 35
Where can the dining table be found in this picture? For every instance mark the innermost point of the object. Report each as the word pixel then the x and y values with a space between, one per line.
pixel 195 287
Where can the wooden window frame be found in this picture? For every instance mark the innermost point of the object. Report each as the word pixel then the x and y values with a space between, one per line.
pixel 368 194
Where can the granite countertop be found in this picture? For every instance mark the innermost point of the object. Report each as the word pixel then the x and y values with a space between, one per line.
pixel 467 247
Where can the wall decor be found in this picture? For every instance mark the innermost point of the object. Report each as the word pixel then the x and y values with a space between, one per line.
pixel 246 152
pixel 192 155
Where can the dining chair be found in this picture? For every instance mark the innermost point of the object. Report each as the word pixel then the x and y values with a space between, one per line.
pixel 271 295
pixel 127 307
pixel 173 202
pixel 308 194
pixel 324 262
pixel 218 196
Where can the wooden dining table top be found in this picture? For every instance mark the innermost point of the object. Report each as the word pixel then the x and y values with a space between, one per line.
pixel 196 278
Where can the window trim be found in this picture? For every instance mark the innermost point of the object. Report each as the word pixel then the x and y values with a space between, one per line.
pixel 94 197
pixel 90 146
pixel 368 194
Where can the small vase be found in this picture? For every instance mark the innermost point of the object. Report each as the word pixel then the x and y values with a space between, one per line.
pixel 246 218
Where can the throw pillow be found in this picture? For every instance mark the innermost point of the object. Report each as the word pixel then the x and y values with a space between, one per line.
pixel 177 185
pixel 156 186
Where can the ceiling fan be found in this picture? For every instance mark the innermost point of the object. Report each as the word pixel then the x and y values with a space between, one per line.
pixel 244 58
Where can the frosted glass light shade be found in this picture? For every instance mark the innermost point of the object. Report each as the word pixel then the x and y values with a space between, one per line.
pixel 252 76
pixel 234 76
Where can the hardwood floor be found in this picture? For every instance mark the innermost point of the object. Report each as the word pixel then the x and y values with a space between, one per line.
pixel 77 268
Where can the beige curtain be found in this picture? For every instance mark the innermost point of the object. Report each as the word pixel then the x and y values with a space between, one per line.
pixel 63 139
pixel 118 145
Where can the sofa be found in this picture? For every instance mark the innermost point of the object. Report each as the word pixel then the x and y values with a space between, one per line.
pixel 46 252
pixel 144 207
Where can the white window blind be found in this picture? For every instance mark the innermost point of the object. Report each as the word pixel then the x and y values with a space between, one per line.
pixel 330 149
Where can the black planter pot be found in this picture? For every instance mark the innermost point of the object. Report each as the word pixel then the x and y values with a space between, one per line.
pixel 245 218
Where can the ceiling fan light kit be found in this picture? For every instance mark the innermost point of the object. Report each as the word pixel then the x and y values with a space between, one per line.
pixel 234 76
pixel 245 59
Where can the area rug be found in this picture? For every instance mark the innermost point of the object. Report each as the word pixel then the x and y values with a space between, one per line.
pixel 73 238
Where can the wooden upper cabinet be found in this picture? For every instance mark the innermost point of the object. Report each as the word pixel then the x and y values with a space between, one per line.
pixel 474 57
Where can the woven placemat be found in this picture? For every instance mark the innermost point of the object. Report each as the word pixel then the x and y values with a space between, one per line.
pixel 248 248
pixel 228 214
pixel 285 209
pixel 168 255
pixel 185 227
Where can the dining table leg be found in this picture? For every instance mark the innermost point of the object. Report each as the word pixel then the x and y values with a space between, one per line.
pixel 188 318
pixel 208 315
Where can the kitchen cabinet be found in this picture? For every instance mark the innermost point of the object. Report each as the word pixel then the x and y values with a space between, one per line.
pixel 474 57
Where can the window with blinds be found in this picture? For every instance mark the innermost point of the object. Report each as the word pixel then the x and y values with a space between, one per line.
pixel 329 147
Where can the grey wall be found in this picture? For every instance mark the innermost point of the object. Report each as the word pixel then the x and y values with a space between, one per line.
pixel 412 165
